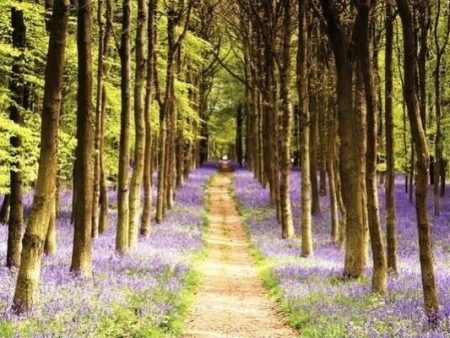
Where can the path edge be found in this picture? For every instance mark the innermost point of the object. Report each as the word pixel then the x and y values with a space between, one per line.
pixel 192 281
pixel 264 266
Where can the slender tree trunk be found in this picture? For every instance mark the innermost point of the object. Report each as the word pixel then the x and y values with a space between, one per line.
pixel 148 163
pixel 332 182
pixel 322 142
pixel 18 93
pixel 33 240
pixel 82 251
pixel 98 120
pixel 418 133
pixel 165 110
pixel 304 118
pixel 139 121
pixel 389 128
pixel 379 278
pixel 239 132
pixel 287 224
pixel 100 198
pixel 103 199
pixel 122 239
pixel 439 169
pixel 423 13
pixel 361 112
pixel 313 140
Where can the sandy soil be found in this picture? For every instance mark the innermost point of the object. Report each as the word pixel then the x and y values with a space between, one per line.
pixel 231 300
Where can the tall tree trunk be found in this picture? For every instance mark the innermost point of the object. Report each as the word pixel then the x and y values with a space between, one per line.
pixel 424 20
pixel 439 179
pixel 349 161
pixel 379 277
pixel 287 224
pixel 139 121
pixel 82 251
pixel 361 113
pixel 239 131
pixel 103 199
pixel 389 126
pixel 331 165
pixel 304 118
pixel 100 198
pixel 122 240
pixel 98 120
pixel 33 240
pixel 148 163
pixel 418 134
pixel 313 141
pixel 164 117
pixel 18 93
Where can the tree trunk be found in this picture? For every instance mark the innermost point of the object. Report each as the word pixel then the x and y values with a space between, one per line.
pixel 439 169
pixel 422 8
pixel 33 240
pixel 331 164
pixel 148 163
pixel 164 117
pixel 379 277
pixel 304 120
pixel 361 113
pixel 349 161
pixel 122 240
pixel 287 224
pixel 139 121
pixel 82 251
pixel 100 198
pixel 98 120
pixel 18 92
pixel 389 129
pixel 418 134
pixel 239 127
pixel 313 140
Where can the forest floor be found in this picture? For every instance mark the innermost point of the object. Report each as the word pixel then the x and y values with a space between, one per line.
pixel 231 300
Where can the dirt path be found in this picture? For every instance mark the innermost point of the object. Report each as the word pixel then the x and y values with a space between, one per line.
pixel 231 300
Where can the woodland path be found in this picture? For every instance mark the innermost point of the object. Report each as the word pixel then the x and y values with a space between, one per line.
pixel 231 300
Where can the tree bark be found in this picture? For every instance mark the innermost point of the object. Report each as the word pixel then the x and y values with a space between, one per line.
pixel 304 120
pixel 122 239
pixel 103 198
pixel 349 161
pixel 418 134
pixel 239 132
pixel 389 129
pixel 439 169
pixel 33 240
pixel 148 163
pixel 82 250
pixel 18 92
pixel 139 122
pixel 331 165
pixel 379 278
pixel 100 197
pixel 287 224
